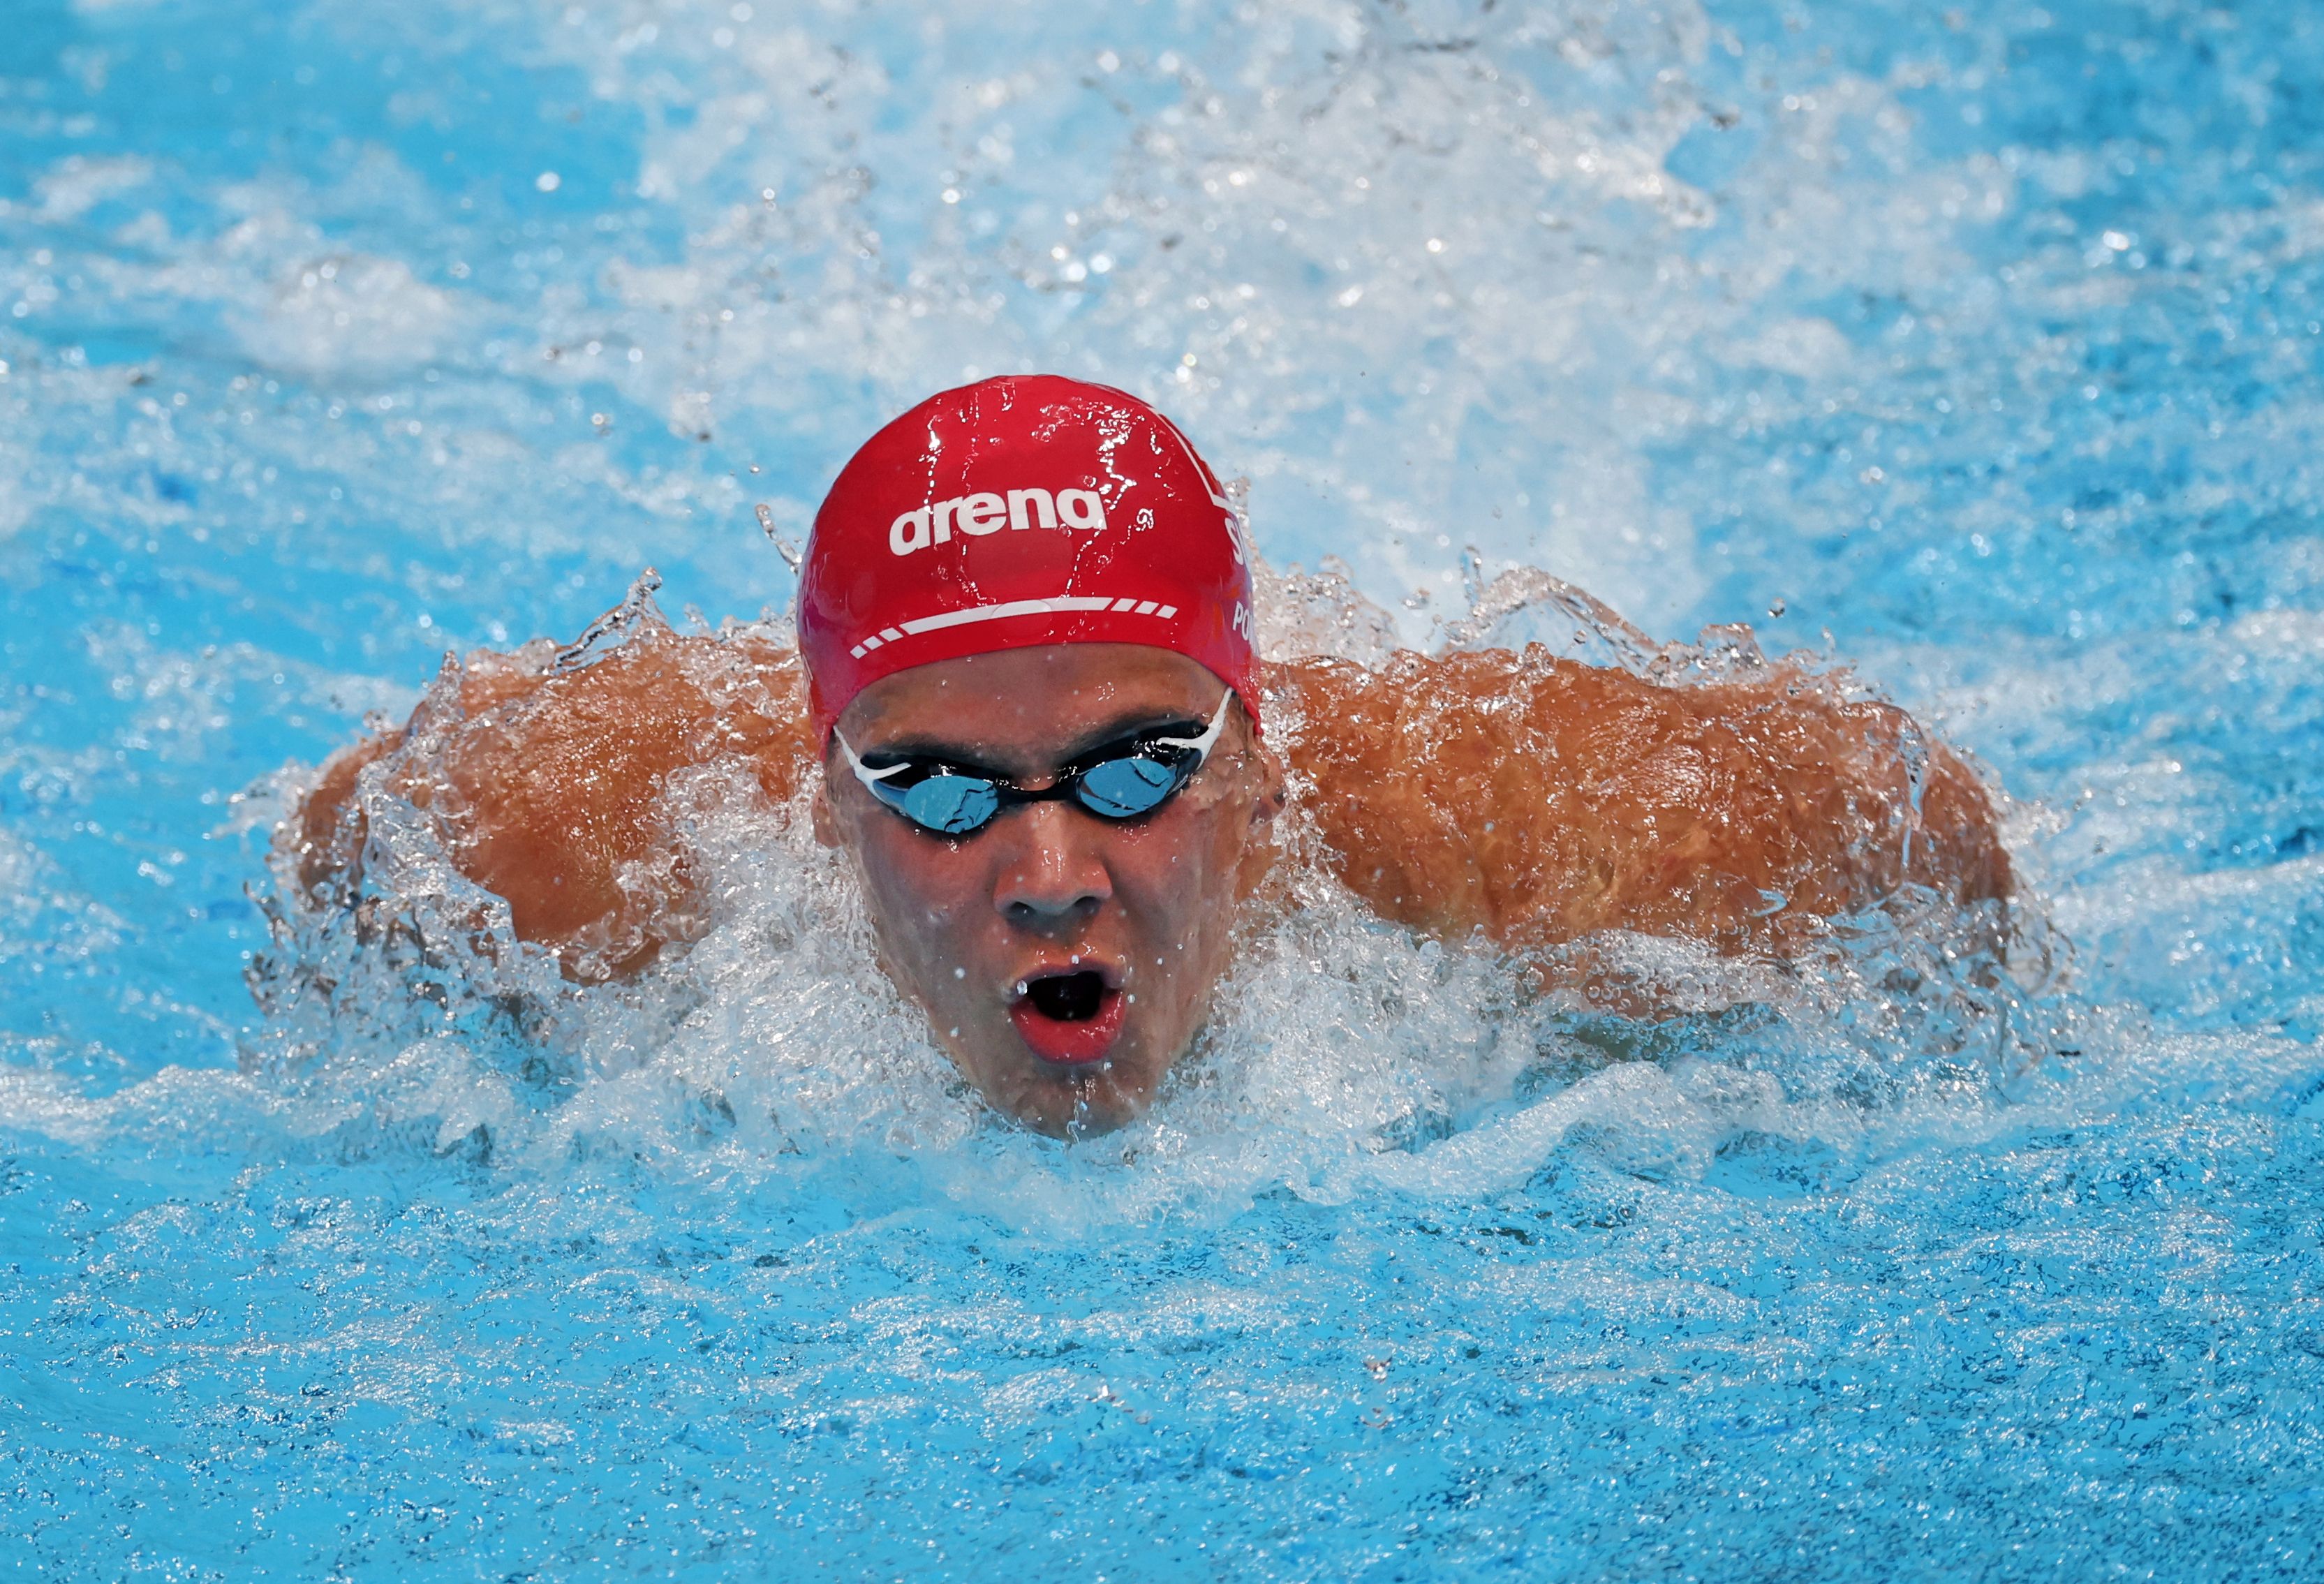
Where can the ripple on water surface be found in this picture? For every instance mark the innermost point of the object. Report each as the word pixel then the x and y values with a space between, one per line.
pixel 1985 340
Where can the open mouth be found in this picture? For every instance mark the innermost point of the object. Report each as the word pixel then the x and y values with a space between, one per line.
pixel 1069 1019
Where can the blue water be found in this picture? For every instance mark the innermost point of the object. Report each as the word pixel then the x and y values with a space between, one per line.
pixel 1979 347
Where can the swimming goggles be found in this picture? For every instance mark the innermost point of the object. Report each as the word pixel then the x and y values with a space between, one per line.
pixel 1123 781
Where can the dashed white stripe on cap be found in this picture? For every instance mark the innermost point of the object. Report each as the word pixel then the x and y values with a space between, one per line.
pixel 1062 604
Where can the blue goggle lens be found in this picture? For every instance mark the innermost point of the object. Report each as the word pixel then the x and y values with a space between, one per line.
pixel 951 805
pixel 1124 788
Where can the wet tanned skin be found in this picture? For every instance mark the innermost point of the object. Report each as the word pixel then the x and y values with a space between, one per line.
pixel 1540 801
pixel 551 786
pixel 1526 798
pixel 1045 887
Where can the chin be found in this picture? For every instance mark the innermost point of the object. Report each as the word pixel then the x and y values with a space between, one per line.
pixel 1075 1105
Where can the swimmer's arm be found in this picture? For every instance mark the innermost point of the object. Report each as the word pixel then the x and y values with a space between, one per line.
pixel 1537 801
pixel 549 788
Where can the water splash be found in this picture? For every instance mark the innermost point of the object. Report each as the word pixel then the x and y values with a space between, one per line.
pixel 773 1040
pixel 1979 336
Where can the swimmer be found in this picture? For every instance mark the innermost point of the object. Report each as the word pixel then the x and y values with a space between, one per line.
pixel 1025 702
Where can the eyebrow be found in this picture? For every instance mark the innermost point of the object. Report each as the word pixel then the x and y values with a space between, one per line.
pixel 1125 729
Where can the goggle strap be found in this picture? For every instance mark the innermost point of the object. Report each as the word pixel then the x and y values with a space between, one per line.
pixel 1210 737
pixel 869 777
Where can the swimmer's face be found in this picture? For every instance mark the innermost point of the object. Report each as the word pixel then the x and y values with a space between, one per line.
pixel 971 927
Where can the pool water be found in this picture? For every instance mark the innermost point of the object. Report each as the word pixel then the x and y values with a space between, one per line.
pixel 1981 347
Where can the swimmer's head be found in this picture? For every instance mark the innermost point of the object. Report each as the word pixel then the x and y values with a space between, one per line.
pixel 1017 512
pixel 1034 584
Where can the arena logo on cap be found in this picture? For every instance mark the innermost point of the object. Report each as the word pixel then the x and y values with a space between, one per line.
pixel 987 511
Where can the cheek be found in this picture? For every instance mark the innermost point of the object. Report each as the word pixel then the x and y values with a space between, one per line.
pixel 1179 877
pixel 923 894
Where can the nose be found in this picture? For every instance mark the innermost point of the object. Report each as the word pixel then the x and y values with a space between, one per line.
pixel 1052 873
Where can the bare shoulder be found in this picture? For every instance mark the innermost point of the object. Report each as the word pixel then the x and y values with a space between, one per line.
pixel 1539 800
pixel 548 771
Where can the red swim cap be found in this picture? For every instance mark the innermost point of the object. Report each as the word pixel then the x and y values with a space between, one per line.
pixel 1023 510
